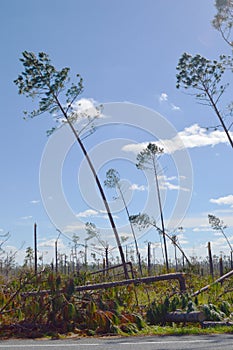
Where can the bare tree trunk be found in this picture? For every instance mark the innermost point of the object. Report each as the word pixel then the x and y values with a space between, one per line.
pixel 132 229
pixel 106 257
pixel 220 267
pixel 149 258
pixel 35 248
pixel 210 261
pixel 176 259
pixel 161 216
pixel 220 118
pixel 56 258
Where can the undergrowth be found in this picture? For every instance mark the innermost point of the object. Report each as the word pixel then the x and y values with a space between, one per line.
pixel 56 308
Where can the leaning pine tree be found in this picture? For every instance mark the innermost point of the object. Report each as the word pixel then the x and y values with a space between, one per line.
pixel 113 181
pixel 55 94
pixel 147 159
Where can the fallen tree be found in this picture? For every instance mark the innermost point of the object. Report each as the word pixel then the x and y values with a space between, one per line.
pixel 219 280
pixel 135 281
pixel 177 316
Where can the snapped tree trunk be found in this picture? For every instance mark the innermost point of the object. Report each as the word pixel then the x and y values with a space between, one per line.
pixel 35 248
pixel 210 261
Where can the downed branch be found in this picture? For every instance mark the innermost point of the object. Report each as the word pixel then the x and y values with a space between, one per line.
pixel 219 280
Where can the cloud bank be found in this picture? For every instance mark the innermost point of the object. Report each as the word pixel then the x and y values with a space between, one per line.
pixel 136 187
pixel 193 136
pixel 227 200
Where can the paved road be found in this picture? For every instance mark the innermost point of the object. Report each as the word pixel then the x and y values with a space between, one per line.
pixel 199 342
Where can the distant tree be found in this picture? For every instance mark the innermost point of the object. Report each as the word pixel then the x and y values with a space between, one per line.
pixel 174 239
pixel 223 20
pixel 93 232
pixel 113 181
pixel 147 159
pixel 144 221
pixel 218 225
pixel 75 240
pixel 124 238
pixel 29 257
pixel 7 258
pixel 55 94
pixel 205 77
pixel 3 239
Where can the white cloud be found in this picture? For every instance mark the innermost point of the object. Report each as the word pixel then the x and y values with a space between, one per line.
pixel 191 137
pixel 73 227
pixel 87 213
pixel 200 223
pixel 227 200
pixel 135 147
pixel 223 211
pixel 136 187
pixel 35 201
pixel 104 215
pixel 84 110
pixel 196 136
pixel 183 241
pixel 97 214
pixel 87 106
pixel 174 107
pixel 26 217
pixel 217 234
pixel 221 243
pixel 107 217
pixel 163 97
pixel 189 222
pixel 49 243
pixel 170 178
pixel 165 184
pixel 203 228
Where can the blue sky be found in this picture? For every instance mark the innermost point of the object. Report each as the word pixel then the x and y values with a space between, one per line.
pixel 125 51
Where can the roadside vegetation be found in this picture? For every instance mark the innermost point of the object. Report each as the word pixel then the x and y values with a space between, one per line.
pixel 52 304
